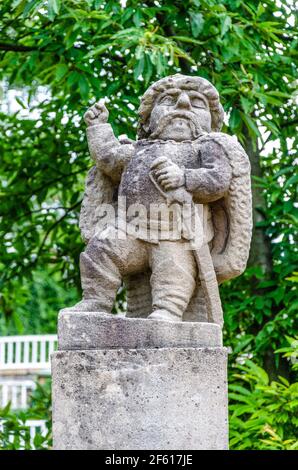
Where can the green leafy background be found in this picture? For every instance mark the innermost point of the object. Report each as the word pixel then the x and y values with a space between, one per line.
pixel 57 58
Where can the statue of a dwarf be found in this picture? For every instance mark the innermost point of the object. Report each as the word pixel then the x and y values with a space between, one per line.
pixel 170 261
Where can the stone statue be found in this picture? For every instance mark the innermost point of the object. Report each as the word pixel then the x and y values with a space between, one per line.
pixel 170 216
pixel 171 269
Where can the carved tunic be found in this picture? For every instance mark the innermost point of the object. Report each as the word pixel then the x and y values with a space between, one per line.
pixel 207 171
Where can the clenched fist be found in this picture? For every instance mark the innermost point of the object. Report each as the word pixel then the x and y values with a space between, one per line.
pixel 97 114
pixel 168 174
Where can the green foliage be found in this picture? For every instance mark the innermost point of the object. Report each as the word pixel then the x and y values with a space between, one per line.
pixel 259 312
pixel 263 414
pixel 59 57
pixel 34 310
pixel 291 352
pixel 15 434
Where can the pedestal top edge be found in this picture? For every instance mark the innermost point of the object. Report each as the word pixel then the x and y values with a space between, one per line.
pixel 104 317
pixel 84 330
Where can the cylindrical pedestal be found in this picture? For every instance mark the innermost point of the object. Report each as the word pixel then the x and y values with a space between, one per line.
pixel 146 396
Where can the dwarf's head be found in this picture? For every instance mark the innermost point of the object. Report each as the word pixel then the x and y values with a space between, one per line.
pixel 179 108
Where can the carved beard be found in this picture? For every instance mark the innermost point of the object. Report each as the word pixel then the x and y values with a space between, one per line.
pixel 166 120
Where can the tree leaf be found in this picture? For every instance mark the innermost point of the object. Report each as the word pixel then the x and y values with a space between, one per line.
pixel 225 22
pixel 196 23
pixel 139 67
pixel 252 127
pixel 60 71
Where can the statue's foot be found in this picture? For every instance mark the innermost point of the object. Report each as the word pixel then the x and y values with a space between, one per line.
pixel 164 315
pixel 87 305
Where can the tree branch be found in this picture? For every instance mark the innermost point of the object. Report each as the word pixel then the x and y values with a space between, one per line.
pixel 16 47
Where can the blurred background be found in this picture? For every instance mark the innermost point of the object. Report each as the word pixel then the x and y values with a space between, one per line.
pixel 58 57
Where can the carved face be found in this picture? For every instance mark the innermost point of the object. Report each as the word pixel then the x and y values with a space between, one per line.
pixel 180 115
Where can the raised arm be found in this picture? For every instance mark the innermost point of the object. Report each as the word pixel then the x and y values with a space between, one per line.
pixel 105 149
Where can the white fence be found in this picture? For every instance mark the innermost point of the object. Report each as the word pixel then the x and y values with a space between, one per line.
pixel 22 359
pixel 30 352
pixel 36 426
pixel 16 392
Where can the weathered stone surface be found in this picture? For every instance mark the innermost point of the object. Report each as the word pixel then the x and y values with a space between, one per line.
pixel 168 398
pixel 181 225
pixel 179 159
pixel 94 330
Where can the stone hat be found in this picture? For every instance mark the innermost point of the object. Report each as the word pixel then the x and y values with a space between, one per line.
pixel 182 82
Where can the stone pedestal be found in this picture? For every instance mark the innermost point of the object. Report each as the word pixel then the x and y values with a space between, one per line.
pixel 138 384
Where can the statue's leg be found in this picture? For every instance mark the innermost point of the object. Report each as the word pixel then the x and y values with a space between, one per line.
pixel 103 265
pixel 196 310
pixel 173 279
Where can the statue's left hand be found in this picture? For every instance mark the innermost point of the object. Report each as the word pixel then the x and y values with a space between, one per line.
pixel 168 174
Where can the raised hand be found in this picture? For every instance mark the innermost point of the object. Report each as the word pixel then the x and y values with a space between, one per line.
pixel 97 114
